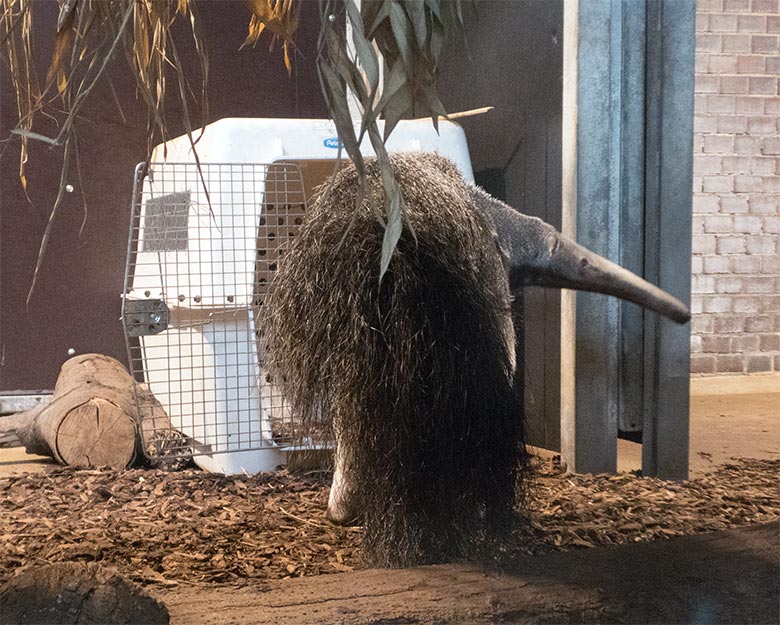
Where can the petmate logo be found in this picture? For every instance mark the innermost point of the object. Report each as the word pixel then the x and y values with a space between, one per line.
pixel 332 142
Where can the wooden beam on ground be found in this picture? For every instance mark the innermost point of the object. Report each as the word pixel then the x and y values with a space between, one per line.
pixel 17 402
pixel 721 577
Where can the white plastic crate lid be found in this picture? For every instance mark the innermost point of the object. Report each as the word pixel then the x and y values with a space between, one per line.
pixel 264 140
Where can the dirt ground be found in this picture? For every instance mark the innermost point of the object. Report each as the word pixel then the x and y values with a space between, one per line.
pixel 723 577
pixel 732 417
pixel 594 549
pixel 257 549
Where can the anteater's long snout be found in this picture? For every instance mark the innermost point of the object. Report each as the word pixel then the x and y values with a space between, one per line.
pixel 537 254
pixel 566 264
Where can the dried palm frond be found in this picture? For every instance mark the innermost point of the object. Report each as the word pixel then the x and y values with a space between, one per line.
pixel 90 34
pixel 280 17
pixel 16 23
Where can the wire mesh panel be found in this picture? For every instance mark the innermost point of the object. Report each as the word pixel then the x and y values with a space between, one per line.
pixel 203 248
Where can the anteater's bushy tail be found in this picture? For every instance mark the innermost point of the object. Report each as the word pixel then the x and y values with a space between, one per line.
pixel 415 372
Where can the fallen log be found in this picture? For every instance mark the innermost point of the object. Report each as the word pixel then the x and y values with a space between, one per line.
pixel 92 420
pixel 77 593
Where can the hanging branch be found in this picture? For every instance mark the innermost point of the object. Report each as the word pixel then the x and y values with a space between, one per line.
pixel 88 36
pixel 407 37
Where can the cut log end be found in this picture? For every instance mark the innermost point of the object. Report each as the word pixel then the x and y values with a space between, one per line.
pixel 97 433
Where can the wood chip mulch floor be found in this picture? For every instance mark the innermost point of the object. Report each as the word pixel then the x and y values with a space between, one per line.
pixel 191 527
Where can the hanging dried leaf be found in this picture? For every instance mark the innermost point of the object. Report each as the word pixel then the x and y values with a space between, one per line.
pixel 63 41
pixel 16 24
pixel 407 34
pixel 88 35
pixel 280 17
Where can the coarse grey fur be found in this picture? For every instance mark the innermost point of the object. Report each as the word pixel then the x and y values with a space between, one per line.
pixel 416 372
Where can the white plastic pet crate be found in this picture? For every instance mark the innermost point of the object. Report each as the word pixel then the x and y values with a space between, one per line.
pixel 204 243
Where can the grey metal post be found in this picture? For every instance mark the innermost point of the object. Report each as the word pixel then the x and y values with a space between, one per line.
pixel 668 197
pixel 628 93
pixel 592 140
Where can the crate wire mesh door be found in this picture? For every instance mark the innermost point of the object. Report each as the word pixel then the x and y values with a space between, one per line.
pixel 204 245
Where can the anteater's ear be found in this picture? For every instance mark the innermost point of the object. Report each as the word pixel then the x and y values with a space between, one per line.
pixel 537 254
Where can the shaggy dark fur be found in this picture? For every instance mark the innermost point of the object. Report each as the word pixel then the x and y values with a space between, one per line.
pixel 416 373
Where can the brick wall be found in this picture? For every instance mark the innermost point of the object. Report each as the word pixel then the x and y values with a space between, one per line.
pixel 736 217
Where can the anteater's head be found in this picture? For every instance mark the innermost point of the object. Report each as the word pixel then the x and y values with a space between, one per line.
pixel 536 254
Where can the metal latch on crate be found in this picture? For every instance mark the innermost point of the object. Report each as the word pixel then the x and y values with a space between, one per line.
pixel 143 317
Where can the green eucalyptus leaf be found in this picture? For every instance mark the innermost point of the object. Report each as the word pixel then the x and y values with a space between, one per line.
pixel 393 203
pixel 435 8
pixel 392 229
pixel 364 50
pixel 419 20
pixel 430 100
pixel 394 80
pixel 376 12
pixel 459 11
pixel 396 108
pixel 341 114
pixel 400 29
pixel 437 40
pixel 409 35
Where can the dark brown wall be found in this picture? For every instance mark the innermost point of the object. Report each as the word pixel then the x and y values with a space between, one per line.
pixel 76 302
pixel 513 60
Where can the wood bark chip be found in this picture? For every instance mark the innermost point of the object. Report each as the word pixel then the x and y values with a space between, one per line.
pixel 164 528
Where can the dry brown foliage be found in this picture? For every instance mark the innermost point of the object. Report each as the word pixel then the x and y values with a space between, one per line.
pixel 91 33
